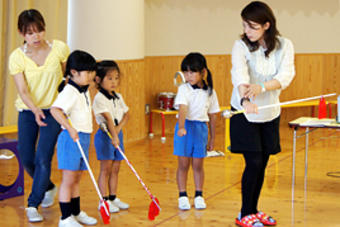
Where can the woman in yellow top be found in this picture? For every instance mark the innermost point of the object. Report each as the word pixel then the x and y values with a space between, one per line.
pixel 37 67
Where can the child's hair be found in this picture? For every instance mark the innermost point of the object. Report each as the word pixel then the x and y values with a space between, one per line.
pixel 104 67
pixel 196 62
pixel 79 61
pixel 261 13
pixel 29 19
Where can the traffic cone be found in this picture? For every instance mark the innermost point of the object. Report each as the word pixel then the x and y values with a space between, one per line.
pixel 322 108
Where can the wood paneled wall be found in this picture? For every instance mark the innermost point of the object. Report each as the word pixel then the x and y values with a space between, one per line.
pixel 144 79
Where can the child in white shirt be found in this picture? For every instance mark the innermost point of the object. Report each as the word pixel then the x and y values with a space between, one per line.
pixel 109 109
pixel 74 102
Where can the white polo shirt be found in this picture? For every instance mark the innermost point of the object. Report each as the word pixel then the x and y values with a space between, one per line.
pixel 199 102
pixel 77 106
pixel 113 104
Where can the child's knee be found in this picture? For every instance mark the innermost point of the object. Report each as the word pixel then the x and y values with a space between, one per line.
pixel 183 166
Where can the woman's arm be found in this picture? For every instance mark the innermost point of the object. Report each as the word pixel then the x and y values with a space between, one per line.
pixel 111 128
pixel 60 117
pixel 22 88
pixel 212 127
pixel 246 104
pixel 182 113
pixel 255 89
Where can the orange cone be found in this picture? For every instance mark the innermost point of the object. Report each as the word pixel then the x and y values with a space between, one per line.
pixel 322 108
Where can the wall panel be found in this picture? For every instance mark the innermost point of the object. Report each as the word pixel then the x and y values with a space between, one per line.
pixel 144 79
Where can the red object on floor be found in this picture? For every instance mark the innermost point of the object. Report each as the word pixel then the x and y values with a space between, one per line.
pixel 322 108
pixel 153 209
pixel 105 213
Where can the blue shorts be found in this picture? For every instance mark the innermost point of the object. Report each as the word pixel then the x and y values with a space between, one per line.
pixel 104 147
pixel 68 153
pixel 194 143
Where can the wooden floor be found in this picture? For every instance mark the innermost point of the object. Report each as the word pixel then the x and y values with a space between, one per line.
pixel 316 202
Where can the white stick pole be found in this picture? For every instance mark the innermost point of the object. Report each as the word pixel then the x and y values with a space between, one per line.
pixel 295 101
pixel 104 128
pixel 91 175
pixel 228 113
pixel 138 177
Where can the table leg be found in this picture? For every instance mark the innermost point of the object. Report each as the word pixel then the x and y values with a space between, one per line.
pixel 293 172
pixel 306 151
pixel 163 128
pixel 150 126
pixel 306 168
pixel 293 163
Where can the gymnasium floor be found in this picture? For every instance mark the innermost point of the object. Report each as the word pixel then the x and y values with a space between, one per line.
pixel 318 205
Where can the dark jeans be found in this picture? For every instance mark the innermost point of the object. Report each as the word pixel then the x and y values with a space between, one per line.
pixel 36 148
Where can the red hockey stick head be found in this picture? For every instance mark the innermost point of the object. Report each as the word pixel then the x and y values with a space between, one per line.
pixel 153 209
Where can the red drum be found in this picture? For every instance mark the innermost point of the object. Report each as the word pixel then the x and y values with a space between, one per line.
pixel 166 100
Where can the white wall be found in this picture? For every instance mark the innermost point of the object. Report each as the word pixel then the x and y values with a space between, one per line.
pixel 108 29
pixel 176 27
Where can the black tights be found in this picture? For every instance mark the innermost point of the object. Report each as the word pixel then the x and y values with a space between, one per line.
pixel 252 181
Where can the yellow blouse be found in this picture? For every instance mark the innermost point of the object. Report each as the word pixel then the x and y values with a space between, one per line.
pixel 42 81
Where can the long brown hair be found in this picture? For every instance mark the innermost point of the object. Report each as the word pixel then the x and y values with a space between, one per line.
pixel 261 13
pixel 29 18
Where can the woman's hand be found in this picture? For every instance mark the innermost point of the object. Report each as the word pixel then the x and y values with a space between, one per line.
pixel 181 132
pixel 253 90
pixel 250 107
pixel 39 116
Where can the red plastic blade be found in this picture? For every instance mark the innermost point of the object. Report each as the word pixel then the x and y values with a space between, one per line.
pixel 104 214
pixel 153 210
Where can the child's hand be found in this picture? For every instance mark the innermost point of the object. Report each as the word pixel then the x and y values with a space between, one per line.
pixel 115 142
pixel 211 145
pixel 181 132
pixel 117 128
pixel 73 133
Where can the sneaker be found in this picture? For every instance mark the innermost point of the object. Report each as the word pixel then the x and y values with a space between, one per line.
pixel 248 221
pixel 121 205
pixel 183 203
pixel 112 207
pixel 199 203
pixel 49 197
pixel 33 214
pixel 265 219
pixel 83 218
pixel 69 222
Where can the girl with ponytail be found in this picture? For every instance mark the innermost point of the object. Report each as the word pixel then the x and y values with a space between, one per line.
pixel 72 110
pixel 197 103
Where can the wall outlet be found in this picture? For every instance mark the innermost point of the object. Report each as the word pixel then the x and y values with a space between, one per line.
pixel 147 108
